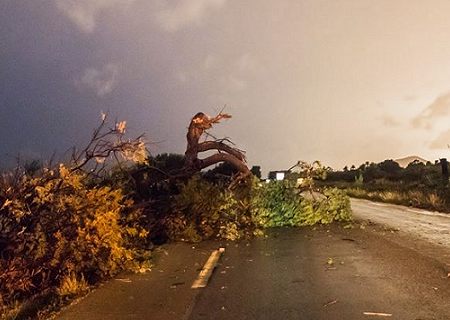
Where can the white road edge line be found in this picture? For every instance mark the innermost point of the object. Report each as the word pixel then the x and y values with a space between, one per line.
pixel 207 270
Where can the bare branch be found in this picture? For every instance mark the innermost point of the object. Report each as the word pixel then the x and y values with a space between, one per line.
pixel 217 145
pixel 107 142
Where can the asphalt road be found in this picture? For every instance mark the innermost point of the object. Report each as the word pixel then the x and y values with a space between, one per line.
pixel 430 226
pixel 371 271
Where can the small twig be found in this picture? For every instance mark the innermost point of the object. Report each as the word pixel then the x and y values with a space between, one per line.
pixel 330 303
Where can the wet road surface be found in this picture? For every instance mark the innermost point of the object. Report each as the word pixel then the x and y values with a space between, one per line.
pixel 427 225
pixel 370 270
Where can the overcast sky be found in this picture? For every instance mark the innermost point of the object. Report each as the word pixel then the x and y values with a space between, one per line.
pixel 341 81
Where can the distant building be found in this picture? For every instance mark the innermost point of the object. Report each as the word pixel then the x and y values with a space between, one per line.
pixel 278 175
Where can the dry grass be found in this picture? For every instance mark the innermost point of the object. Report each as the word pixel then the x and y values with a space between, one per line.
pixel 420 198
pixel 392 197
pixel 435 200
pixel 72 286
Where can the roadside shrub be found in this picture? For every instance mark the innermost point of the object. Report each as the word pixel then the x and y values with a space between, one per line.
pixel 357 193
pixel 58 234
pixel 418 185
pixel 425 198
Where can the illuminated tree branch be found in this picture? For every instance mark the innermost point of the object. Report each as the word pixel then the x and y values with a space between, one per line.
pixel 198 126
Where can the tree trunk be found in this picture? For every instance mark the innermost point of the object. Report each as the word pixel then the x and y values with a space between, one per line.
pixel 200 123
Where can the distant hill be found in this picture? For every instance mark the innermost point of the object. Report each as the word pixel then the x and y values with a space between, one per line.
pixel 403 162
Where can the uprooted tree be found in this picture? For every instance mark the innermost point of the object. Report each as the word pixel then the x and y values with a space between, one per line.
pixel 226 153
pixel 198 127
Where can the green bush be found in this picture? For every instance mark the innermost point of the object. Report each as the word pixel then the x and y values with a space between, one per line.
pixel 278 203
pixel 334 207
pixel 204 210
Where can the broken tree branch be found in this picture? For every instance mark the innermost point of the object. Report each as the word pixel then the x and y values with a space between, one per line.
pixel 198 126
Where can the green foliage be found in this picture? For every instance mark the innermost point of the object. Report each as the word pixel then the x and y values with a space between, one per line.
pixel 204 210
pixel 56 232
pixel 335 207
pixel 414 174
pixel 198 207
pixel 389 167
pixel 419 185
pixel 359 181
pixel 278 203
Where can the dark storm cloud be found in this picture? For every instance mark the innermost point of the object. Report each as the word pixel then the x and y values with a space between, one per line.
pixel 38 59
pixel 64 61
pixel 289 85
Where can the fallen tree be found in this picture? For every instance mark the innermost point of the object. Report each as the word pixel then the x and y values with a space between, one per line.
pixel 226 152
pixel 198 127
